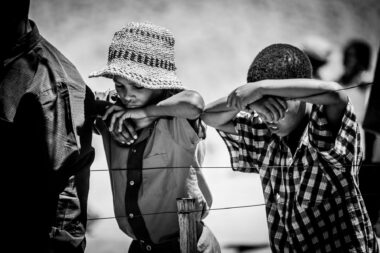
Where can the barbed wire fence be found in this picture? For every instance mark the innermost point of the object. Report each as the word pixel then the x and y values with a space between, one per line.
pixel 184 217
pixel 220 208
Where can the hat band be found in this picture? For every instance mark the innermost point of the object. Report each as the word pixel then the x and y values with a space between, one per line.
pixel 150 34
pixel 144 59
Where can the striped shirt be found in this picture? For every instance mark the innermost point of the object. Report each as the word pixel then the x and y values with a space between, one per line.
pixel 313 203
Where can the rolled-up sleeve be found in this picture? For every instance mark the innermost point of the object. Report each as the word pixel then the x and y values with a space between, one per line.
pixel 244 147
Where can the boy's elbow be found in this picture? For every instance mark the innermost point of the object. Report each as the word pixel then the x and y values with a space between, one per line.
pixel 339 97
pixel 211 119
pixel 208 119
pixel 195 112
pixel 204 117
pixel 196 101
pixel 333 95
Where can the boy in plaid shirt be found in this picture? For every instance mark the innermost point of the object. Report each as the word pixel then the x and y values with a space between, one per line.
pixel 301 136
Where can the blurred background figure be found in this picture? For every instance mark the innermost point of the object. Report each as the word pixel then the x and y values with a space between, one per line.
pixel 356 62
pixel 370 176
pixel 318 50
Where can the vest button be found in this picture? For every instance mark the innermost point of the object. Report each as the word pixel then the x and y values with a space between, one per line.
pixel 148 248
pixel 131 215
pixel 131 182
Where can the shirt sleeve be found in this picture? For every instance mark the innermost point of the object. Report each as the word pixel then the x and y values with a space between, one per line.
pixel 46 122
pixel 183 132
pixel 245 147
pixel 343 151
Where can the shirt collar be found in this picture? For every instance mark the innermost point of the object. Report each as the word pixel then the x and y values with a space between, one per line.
pixel 24 44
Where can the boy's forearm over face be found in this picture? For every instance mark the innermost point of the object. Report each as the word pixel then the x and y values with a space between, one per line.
pixel 311 91
pixel 306 90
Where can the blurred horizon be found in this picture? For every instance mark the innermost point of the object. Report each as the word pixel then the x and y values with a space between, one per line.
pixel 216 41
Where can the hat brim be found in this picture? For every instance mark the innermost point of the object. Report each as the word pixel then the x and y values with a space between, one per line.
pixel 147 77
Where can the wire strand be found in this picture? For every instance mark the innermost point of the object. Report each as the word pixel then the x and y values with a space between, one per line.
pixel 330 91
pixel 229 167
pixel 218 208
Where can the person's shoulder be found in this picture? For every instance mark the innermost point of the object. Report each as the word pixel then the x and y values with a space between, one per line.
pixel 59 65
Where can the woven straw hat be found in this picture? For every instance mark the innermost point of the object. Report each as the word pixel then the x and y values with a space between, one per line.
pixel 142 53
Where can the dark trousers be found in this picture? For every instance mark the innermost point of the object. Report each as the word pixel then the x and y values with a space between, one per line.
pixel 139 247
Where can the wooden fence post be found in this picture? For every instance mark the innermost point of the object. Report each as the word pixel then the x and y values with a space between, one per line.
pixel 187 225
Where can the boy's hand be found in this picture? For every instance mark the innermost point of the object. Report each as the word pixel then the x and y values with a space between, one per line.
pixel 127 135
pixel 207 242
pixel 244 95
pixel 270 109
pixel 118 114
pixel 123 123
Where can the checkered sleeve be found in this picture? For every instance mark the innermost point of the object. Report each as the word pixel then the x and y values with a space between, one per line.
pixel 343 151
pixel 243 147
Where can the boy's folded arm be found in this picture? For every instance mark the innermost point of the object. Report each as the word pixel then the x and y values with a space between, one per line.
pixel 311 91
pixel 186 104
pixel 308 90
pixel 219 116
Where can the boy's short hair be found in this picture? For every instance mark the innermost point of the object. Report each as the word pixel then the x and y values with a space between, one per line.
pixel 279 61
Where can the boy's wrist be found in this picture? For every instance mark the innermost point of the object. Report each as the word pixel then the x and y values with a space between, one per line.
pixel 143 112
pixel 255 91
pixel 261 88
pixel 151 111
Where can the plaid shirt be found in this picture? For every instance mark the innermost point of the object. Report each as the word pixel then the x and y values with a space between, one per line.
pixel 313 203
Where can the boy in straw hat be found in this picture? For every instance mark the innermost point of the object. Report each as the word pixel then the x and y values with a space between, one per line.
pixel 162 160
pixel 301 136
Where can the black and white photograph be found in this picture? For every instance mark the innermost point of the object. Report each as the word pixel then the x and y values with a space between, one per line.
pixel 190 126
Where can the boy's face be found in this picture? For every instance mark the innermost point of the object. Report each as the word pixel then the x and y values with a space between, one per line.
pixel 293 116
pixel 133 95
